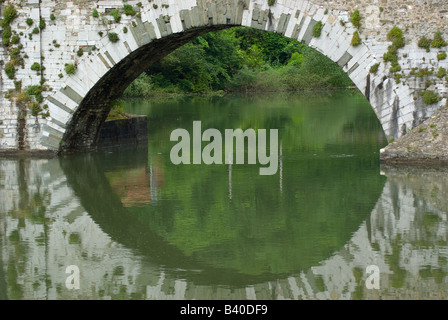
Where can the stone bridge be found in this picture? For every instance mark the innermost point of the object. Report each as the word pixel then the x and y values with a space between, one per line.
pixel 74 57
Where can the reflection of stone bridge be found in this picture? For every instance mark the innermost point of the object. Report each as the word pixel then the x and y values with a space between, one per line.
pixel 86 55
pixel 405 236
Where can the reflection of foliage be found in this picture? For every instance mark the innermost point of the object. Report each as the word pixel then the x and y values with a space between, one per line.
pixel 245 228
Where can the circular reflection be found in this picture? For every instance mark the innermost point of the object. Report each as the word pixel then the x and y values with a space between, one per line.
pixel 226 224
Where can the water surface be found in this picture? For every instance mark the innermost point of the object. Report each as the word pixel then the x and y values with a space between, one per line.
pixel 139 227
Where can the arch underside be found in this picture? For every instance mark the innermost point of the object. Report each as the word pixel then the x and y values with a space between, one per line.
pixel 83 129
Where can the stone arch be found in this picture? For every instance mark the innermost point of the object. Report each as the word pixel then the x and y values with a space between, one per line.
pixel 79 107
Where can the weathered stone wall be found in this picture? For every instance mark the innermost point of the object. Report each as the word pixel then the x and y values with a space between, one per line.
pixel 75 105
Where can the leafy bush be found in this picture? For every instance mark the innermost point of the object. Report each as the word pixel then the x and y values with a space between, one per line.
pixel 355 18
pixel 128 10
pixel 95 13
pixel 441 56
pixel 438 41
pixel 356 40
pixel 70 68
pixel 317 29
pixel 6 35
pixel 9 14
pixel 425 43
pixel 429 97
pixel 116 15
pixel 10 70
pixel 42 24
pixel 396 36
pixel 441 73
pixel 36 67
pixel 374 68
pixel 113 37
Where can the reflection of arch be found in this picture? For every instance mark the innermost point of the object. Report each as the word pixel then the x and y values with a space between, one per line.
pixel 86 177
pixel 80 107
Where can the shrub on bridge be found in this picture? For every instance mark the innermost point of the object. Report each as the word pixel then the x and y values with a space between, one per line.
pixel 355 18
pixel 10 70
pixel 396 36
pixel 9 14
pixel 429 97
pixel 438 41
pixel 70 68
pixel 424 43
pixel 113 37
pixel 374 68
pixel 6 35
pixel 441 56
pixel 128 10
pixel 317 29
pixel 116 15
pixel 356 40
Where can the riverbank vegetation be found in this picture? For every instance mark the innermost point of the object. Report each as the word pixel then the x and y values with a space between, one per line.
pixel 239 59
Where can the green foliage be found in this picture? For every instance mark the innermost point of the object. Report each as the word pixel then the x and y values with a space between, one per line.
pixel 80 52
pixel 35 30
pixel 6 35
pixel 317 29
pixel 116 15
pixel 42 24
pixel 116 110
pixel 15 52
pixel 128 10
pixel 429 97
pixel 140 87
pixel 95 13
pixel 240 59
pixel 395 67
pixel 36 67
pixel 113 37
pixel 70 68
pixel 441 55
pixel 356 40
pixel 441 73
pixel 35 91
pixel 438 41
pixel 390 57
pixel 394 33
pixel 374 68
pixel 425 43
pixel 355 18
pixel 9 14
pixel 271 2
pixel 398 77
pixel 396 36
pixel 29 22
pixel 10 70
pixel 15 39
pixel 52 17
pixel 423 72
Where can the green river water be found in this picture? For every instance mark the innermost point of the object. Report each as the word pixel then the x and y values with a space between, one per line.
pixel 137 226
